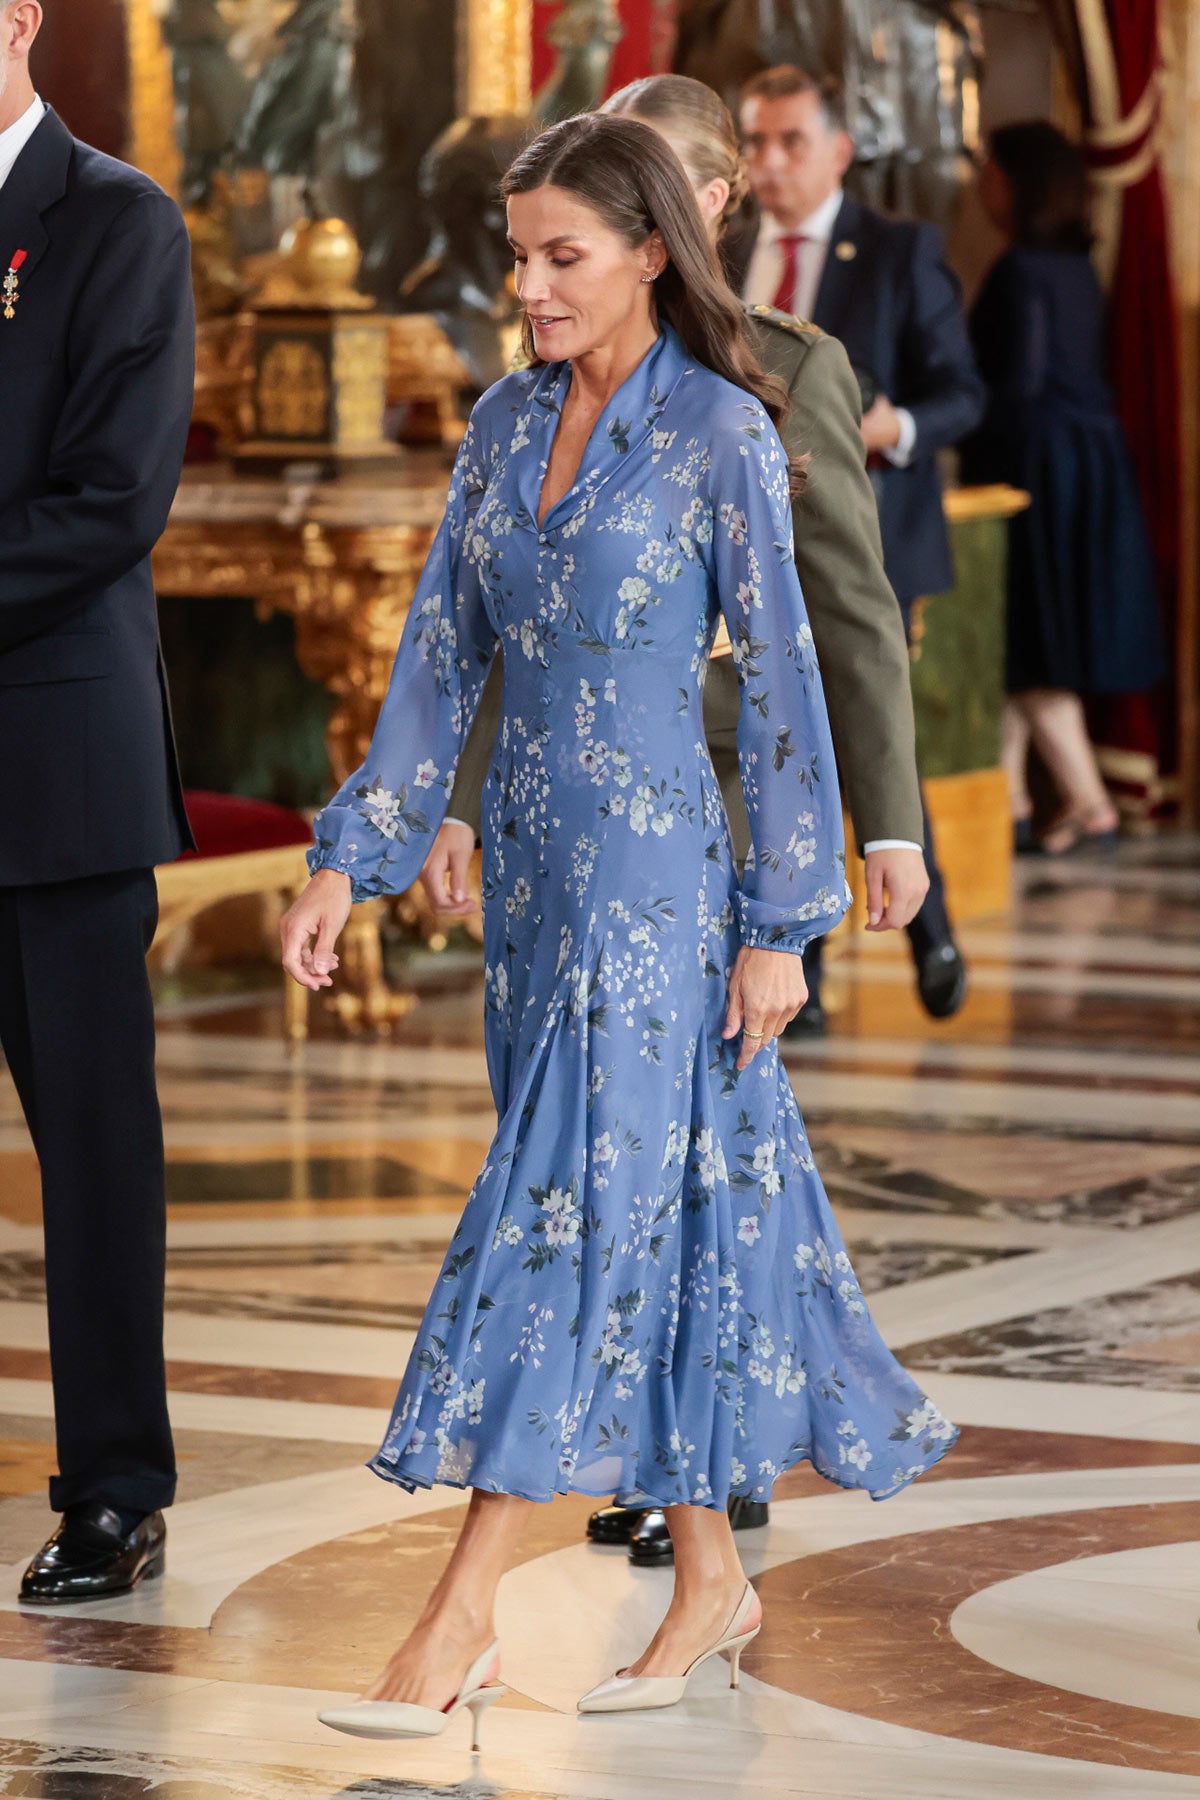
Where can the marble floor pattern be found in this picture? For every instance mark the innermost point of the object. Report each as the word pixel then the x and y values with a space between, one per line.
pixel 1020 1192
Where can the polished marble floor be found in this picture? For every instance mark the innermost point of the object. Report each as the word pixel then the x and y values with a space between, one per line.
pixel 1020 1190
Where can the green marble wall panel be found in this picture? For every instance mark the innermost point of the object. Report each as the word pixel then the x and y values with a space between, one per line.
pixel 247 719
pixel 958 666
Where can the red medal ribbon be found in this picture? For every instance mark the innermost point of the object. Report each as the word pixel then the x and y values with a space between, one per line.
pixel 8 287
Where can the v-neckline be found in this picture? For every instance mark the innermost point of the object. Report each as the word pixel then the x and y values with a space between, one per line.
pixel 543 516
pixel 667 350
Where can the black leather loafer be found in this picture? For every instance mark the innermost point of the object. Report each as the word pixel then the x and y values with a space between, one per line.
pixel 942 979
pixel 650 1545
pixel 91 1558
pixel 614 1524
pixel 746 1514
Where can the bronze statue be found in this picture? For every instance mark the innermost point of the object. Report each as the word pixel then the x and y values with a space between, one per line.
pixel 910 70
pixel 211 90
pixel 584 33
pixel 300 91
pixel 464 278
pixel 402 95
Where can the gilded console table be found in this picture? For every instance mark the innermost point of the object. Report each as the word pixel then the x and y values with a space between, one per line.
pixel 341 557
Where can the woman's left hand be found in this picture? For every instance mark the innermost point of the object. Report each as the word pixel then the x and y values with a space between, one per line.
pixel 766 989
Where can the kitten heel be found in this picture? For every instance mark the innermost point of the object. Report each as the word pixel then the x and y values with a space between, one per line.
pixel 735 1656
pixel 478 1705
pixel 640 1693
pixel 401 1719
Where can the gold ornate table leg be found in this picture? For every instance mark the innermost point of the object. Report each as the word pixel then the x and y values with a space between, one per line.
pixel 363 1000
pixel 348 589
pixel 350 603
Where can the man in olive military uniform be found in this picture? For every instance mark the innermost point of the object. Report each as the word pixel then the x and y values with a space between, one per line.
pixel 861 649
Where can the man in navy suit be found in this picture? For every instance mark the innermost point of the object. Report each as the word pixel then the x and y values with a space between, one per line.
pixel 96 353
pixel 883 287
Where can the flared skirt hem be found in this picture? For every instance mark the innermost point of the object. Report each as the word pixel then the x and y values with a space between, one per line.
pixel 643 1495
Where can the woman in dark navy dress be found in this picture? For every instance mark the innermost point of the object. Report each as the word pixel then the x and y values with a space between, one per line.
pixel 1083 612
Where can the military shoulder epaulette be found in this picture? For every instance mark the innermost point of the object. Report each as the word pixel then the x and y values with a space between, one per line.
pixel 802 328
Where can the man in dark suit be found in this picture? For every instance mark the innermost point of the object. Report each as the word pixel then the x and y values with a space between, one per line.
pixel 96 350
pixel 882 286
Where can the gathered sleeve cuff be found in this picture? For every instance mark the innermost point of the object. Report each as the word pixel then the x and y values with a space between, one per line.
pixel 379 827
pixel 794 884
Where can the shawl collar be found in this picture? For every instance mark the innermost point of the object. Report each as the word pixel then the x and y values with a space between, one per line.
pixel 626 422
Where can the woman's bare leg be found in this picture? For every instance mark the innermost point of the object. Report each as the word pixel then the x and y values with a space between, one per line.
pixel 709 1582
pixel 1014 756
pixel 458 1622
pixel 1061 738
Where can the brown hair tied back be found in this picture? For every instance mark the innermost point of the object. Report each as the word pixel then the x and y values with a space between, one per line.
pixel 701 123
pixel 636 184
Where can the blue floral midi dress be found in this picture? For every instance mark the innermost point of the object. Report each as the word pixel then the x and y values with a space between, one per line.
pixel 647 1293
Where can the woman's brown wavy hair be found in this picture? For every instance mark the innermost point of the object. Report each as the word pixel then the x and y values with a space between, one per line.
pixel 634 181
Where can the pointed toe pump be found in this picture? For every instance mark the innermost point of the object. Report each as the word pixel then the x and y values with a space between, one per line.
pixel 641 1693
pixel 400 1719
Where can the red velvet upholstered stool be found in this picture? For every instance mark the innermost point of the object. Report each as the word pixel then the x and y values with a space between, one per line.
pixel 243 847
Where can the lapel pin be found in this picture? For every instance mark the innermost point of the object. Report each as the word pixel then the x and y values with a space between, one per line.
pixel 8 291
pixel 846 251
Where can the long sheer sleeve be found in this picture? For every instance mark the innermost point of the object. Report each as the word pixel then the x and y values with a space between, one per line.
pixel 380 825
pixel 794 883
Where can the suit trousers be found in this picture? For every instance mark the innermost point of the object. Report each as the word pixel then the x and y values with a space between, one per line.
pixel 932 923
pixel 77 1030
pixel 931 926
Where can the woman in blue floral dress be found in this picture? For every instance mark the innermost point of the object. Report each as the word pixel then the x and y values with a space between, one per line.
pixel 647 1293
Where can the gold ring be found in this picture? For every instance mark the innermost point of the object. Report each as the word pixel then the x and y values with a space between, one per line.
pixel 753 1034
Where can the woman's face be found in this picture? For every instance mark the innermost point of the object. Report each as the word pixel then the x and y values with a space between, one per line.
pixel 579 281
pixel 995 195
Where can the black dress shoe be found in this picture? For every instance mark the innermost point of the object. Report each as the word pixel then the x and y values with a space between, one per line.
pixel 650 1546
pixel 746 1514
pixel 614 1524
pixel 942 979
pixel 90 1557
pixel 1024 841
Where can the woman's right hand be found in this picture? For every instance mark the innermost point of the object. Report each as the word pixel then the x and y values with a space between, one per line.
pixel 321 913
pixel 444 876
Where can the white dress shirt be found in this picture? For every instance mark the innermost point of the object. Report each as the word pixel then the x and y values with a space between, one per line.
pixel 765 272
pixel 18 134
pixel 766 264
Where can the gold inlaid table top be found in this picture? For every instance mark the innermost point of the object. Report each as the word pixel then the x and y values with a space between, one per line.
pixel 413 493
pixel 993 501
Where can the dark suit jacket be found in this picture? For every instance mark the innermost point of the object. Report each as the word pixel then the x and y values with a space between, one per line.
pixel 896 306
pixel 96 378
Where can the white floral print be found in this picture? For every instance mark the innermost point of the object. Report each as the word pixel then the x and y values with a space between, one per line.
pixel 646 1292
